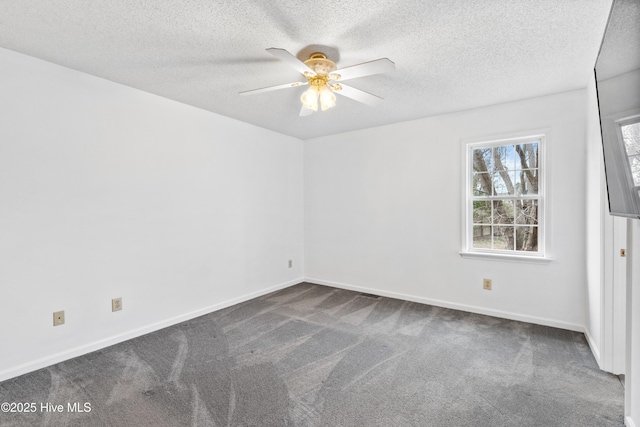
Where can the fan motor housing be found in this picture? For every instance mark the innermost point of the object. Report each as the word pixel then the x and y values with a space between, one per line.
pixel 319 63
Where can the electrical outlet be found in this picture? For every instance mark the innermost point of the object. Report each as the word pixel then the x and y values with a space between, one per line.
pixel 58 318
pixel 116 304
pixel 486 284
pixel 290 263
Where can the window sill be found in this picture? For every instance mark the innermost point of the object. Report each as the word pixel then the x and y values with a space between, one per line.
pixel 506 257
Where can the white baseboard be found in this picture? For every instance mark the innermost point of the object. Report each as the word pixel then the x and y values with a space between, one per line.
pixel 628 422
pixel 594 348
pixel 446 304
pixel 97 345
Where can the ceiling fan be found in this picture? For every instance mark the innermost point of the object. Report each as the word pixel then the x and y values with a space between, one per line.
pixel 324 79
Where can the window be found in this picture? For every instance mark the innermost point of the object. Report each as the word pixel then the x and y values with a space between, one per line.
pixel 621 145
pixel 504 212
pixel 630 132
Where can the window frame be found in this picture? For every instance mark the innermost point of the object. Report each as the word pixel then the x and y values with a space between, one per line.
pixel 468 198
pixel 617 168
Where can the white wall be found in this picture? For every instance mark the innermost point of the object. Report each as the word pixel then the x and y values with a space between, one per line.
pixel 596 216
pixel 383 213
pixel 107 192
pixel 620 93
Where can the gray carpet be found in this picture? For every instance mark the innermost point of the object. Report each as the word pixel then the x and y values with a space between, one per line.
pixel 312 355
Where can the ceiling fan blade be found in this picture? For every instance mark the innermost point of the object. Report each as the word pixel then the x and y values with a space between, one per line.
pixel 270 88
pixel 356 94
pixel 305 112
pixel 382 65
pixel 290 59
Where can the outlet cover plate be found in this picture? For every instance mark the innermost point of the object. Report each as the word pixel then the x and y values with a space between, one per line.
pixel 116 304
pixel 58 318
pixel 486 284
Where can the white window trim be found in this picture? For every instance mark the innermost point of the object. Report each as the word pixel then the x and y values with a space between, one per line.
pixel 467 250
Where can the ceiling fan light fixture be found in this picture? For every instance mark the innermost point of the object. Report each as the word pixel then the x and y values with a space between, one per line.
pixel 318 89
pixel 327 98
pixel 310 98
pixel 322 76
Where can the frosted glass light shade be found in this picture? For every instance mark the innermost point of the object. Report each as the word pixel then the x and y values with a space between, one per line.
pixel 327 98
pixel 310 98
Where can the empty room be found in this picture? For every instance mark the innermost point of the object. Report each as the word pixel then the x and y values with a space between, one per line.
pixel 382 213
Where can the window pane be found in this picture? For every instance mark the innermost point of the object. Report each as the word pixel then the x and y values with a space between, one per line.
pixel 503 183
pixel 526 182
pixel 526 211
pixel 482 212
pixel 482 184
pixel 527 238
pixel 634 162
pixel 503 212
pixel 527 155
pixel 503 238
pixel 482 161
pixel 631 137
pixel 482 236
pixel 503 158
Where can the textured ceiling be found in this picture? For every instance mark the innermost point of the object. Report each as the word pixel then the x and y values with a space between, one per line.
pixel 449 55
pixel 620 51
